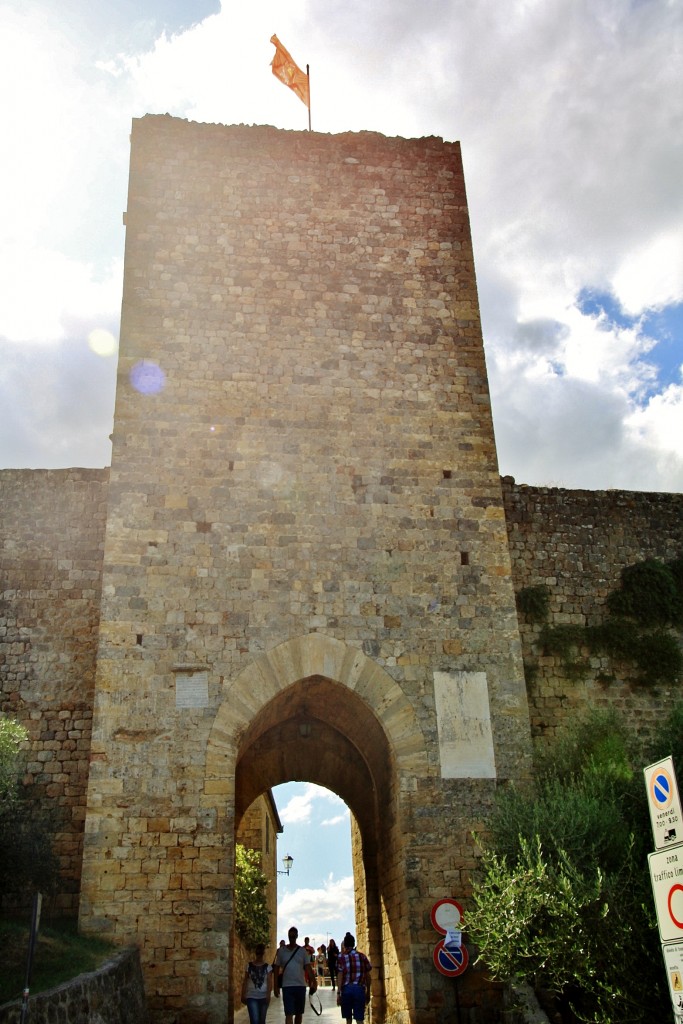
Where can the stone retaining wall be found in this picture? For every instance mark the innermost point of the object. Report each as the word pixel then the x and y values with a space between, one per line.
pixel 114 994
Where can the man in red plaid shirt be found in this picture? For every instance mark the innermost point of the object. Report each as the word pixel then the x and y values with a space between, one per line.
pixel 353 980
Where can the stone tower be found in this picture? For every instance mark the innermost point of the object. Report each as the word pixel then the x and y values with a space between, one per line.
pixel 306 570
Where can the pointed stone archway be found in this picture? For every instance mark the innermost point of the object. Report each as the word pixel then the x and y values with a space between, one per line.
pixel 317 710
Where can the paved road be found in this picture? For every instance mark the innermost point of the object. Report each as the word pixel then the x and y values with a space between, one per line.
pixel 330 1014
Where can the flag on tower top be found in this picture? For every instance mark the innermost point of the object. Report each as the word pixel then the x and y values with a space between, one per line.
pixel 286 69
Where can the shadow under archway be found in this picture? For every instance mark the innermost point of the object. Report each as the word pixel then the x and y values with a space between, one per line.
pixel 319 731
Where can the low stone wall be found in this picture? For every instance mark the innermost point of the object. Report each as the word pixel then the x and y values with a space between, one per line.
pixel 114 994
pixel 523 1006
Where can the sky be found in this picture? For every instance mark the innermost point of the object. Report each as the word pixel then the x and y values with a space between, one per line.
pixel 570 117
pixel 317 895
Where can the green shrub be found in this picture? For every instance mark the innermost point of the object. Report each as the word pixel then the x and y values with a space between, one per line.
pixel 616 637
pixel 562 641
pixel 668 741
pixel 565 900
pixel 252 920
pixel 675 567
pixel 27 862
pixel 533 602
pixel 557 926
pixel 659 658
pixel 595 742
pixel 12 735
pixel 648 593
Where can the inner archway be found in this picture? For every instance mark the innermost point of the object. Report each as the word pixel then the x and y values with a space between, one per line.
pixel 315 709
pixel 319 731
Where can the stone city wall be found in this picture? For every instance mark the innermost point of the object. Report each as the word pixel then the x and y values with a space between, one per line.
pixel 577 543
pixel 51 545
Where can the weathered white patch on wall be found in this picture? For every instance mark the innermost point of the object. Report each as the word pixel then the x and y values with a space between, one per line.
pixel 463 721
pixel 192 690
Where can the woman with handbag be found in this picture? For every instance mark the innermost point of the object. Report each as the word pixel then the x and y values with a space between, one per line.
pixel 257 986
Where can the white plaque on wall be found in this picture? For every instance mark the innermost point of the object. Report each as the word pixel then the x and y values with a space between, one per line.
pixel 192 690
pixel 463 721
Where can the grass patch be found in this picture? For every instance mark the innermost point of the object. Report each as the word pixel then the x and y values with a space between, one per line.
pixel 61 954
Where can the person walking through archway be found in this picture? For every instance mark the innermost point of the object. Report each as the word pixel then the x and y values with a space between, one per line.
pixel 257 986
pixel 353 980
pixel 332 954
pixel 293 972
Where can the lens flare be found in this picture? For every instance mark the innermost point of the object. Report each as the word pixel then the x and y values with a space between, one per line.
pixel 103 343
pixel 147 377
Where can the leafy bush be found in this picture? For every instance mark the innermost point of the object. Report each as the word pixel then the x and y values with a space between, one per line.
pixel 565 899
pixel 252 920
pixel 27 862
pixel 658 658
pixel 648 593
pixel 562 641
pixel 616 637
pixel 557 926
pixel 533 602
pixel 12 735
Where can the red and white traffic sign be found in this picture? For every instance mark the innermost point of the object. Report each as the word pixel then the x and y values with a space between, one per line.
pixel 446 915
pixel 666 874
pixel 450 961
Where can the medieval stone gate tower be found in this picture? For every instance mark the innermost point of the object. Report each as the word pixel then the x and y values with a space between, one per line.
pixel 306 570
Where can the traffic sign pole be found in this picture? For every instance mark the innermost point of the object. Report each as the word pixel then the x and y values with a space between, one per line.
pixel 450 956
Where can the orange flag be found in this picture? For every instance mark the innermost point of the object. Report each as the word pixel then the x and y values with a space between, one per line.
pixel 288 72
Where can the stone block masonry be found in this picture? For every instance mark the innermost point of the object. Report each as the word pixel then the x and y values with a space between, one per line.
pixel 51 545
pixel 577 543
pixel 306 566
pixel 113 994
pixel 303 479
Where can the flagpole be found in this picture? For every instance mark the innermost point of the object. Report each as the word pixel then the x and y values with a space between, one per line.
pixel 308 76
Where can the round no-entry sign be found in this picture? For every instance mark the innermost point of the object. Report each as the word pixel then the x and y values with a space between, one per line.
pixel 450 962
pixel 446 915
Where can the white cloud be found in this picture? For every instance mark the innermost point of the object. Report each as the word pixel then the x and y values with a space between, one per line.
pixel 569 117
pixel 651 277
pixel 69 290
pixel 313 910
pixel 339 819
pixel 658 426
pixel 298 810
pixel 304 807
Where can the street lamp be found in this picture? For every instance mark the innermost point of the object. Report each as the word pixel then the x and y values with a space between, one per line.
pixel 287 862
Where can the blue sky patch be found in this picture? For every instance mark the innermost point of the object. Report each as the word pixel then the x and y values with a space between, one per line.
pixel 665 326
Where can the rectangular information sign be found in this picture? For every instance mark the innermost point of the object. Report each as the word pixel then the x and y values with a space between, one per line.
pixel 673 962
